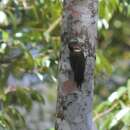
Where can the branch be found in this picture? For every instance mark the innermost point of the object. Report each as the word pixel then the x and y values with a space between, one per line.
pixel 53 25
pixel 99 115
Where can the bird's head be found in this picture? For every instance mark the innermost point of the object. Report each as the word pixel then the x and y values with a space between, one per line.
pixel 74 46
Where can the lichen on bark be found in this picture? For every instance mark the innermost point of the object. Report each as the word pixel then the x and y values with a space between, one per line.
pixel 74 105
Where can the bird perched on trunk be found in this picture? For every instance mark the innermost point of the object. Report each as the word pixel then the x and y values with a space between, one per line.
pixel 77 62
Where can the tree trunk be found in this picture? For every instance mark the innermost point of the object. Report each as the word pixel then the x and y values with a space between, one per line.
pixel 74 103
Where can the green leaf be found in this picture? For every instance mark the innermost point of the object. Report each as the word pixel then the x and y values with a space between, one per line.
pixel 108 120
pixel 118 116
pixel 16 116
pixel 128 87
pixel 102 64
pixel 103 106
pixel 126 119
pixel 36 96
pixel 117 94
pixel 6 121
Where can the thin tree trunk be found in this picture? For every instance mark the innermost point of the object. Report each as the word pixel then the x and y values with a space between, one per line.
pixel 74 104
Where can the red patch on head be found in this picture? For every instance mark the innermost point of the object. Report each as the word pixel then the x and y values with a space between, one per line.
pixel 69 86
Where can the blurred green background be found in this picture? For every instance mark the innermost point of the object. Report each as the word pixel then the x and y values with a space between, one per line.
pixel 29 53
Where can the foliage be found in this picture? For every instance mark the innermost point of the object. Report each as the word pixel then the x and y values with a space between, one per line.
pixel 26 46
pixel 114 112
pixel 29 27
pixel 112 62
pixel 11 100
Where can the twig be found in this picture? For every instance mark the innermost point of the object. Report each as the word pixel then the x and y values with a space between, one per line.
pixel 53 25
pixel 99 115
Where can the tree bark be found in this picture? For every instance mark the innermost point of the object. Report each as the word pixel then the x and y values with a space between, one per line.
pixel 74 104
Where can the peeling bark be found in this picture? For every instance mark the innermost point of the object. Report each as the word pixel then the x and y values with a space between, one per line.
pixel 74 105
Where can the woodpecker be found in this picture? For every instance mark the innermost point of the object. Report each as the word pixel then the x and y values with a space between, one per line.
pixel 77 62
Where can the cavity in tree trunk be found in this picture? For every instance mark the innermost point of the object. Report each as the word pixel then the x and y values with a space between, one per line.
pixel 74 103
